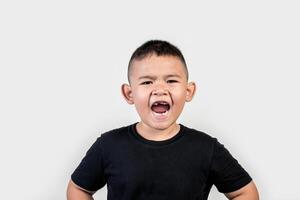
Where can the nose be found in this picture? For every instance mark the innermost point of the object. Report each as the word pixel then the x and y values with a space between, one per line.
pixel 160 90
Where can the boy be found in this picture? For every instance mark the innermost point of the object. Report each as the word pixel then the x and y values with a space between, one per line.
pixel 157 158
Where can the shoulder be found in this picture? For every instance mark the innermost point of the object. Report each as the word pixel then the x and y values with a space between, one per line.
pixel 199 136
pixel 201 142
pixel 114 132
pixel 113 136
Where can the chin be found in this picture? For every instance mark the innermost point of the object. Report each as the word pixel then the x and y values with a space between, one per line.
pixel 161 125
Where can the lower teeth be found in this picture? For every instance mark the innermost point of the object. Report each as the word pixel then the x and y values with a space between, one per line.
pixel 161 114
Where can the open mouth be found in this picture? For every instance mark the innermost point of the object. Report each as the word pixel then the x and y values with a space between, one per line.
pixel 160 107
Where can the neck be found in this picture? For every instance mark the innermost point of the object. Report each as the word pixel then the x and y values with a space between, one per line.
pixel 151 133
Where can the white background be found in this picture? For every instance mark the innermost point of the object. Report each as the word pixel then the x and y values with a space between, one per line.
pixel 62 64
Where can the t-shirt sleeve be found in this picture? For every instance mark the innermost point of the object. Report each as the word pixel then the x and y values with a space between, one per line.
pixel 89 175
pixel 227 174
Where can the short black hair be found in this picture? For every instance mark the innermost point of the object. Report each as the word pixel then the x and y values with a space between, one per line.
pixel 159 48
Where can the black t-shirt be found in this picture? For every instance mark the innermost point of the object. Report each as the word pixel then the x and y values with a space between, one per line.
pixel 182 167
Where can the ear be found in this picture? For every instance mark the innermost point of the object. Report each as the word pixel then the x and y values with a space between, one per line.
pixel 127 93
pixel 190 91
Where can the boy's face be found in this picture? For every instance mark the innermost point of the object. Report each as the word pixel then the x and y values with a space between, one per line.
pixel 158 89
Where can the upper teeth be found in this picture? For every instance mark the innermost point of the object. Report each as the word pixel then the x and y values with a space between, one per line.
pixel 156 103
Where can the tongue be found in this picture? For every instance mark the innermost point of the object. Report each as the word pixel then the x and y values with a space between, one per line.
pixel 160 108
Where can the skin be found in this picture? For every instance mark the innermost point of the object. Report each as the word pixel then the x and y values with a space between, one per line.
pixel 74 192
pixel 248 192
pixel 156 78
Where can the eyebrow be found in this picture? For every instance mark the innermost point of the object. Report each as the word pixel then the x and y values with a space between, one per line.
pixel 154 77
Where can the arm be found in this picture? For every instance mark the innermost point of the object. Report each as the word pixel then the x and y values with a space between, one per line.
pixel 248 192
pixel 74 192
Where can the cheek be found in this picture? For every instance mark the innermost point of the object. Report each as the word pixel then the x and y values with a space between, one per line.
pixel 179 95
pixel 140 98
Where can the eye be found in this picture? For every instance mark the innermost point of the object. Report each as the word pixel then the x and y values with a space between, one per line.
pixel 172 81
pixel 146 82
